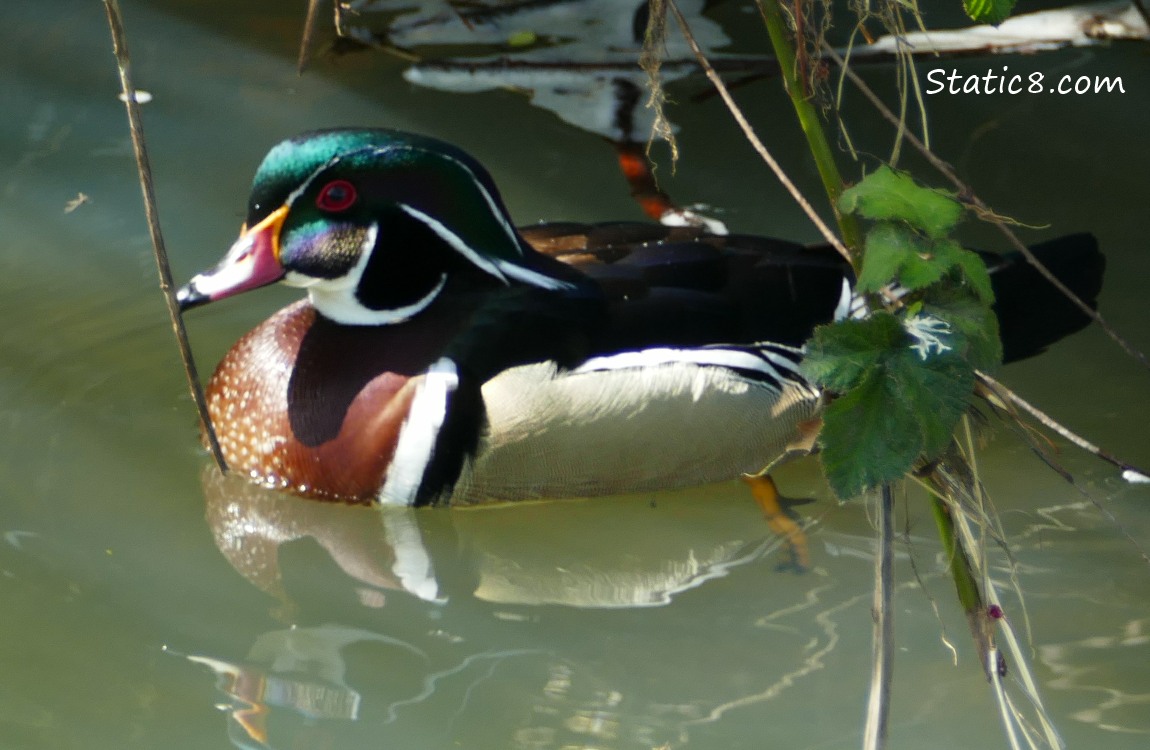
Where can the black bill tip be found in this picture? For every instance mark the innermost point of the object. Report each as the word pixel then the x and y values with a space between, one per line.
pixel 189 297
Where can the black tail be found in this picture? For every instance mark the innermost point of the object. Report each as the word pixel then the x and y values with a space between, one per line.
pixel 1032 314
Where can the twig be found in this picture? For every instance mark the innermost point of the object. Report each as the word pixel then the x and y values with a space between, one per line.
pixel 120 49
pixel 1142 11
pixel 749 132
pixel 307 41
pixel 1130 472
pixel 882 665
pixel 968 195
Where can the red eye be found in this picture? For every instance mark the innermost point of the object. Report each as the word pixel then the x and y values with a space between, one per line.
pixel 337 195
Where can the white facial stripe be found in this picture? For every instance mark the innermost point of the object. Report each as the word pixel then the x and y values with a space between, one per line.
pixel 493 266
pixel 487 196
pixel 418 434
pixel 456 242
pixel 291 199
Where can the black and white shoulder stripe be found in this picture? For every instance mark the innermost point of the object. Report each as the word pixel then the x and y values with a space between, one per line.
pixel 442 429
pixel 774 365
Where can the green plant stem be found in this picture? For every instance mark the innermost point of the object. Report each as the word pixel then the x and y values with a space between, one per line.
pixel 965 583
pixel 809 120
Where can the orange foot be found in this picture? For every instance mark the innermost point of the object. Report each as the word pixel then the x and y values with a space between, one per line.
pixel 782 522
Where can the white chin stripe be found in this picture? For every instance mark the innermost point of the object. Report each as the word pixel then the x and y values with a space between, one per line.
pixel 335 298
pixel 418 434
pixel 341 306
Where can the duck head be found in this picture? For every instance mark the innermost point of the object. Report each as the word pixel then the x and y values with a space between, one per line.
pixel 376 225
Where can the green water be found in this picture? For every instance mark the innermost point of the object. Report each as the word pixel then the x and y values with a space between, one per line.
pixel 143 604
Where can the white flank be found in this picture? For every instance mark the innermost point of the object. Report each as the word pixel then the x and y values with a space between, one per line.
pixel 418 434
pixel 641 422
pixel 497 268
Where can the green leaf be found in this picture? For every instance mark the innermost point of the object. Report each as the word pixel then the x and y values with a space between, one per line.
pixel 936 390
pixel 894 196
pixel 976 275
pixel 924 268
pixel 839 355
pixel 988 11
pixel 897 252
pixel 888 245
pixel 973 322
pixel 898 401
pixel 869 436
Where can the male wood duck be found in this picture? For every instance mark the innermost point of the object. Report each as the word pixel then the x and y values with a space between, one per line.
pixel 442 355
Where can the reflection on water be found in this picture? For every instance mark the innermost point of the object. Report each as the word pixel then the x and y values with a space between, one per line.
pixel 381 565
pixel 531 553
pixel 1077 665
pixel 128 613
pixel 400 589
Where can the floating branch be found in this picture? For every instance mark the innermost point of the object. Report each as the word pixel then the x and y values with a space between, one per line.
pixel 1074 26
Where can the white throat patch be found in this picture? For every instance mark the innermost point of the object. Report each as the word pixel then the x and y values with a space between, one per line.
pixel 336 300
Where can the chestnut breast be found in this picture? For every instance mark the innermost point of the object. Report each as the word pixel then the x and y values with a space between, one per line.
pixel 307 405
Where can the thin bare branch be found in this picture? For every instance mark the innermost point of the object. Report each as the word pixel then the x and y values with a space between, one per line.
pixel 143 167
pixel 967 193
pixel 827 233
pixel 1130 473
pixel 307 41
